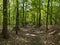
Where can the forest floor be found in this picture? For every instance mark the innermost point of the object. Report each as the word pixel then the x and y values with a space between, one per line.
pixel 30 35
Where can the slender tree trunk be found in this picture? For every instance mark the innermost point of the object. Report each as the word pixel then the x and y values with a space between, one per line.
pixel 17 19
pixel 37 17
pixel 51 14
pixel 55 19
pixel 26 11
pixel 39 13
pixel 34 19
pixel 23 15
pixel 9 11
pixel 47 16
pixel 5 23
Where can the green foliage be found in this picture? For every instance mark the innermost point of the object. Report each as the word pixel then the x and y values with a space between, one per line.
pixel 30 11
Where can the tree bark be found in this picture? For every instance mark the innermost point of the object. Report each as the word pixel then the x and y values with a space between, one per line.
pixel 47 16
pixel 39 13
pixel 17 18
pixel 51 14
pixel 5 22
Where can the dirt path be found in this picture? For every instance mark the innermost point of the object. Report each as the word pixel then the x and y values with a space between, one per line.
pixel 33 36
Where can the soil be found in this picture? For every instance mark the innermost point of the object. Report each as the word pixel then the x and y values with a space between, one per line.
pixel 30 35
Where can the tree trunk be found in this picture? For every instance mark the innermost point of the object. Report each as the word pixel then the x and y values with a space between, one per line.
pixel 23 19
pixel 47 16
pixel 9 11
pixel 5 23
pixel 17 19
pixel 39 13
pixel 51 14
